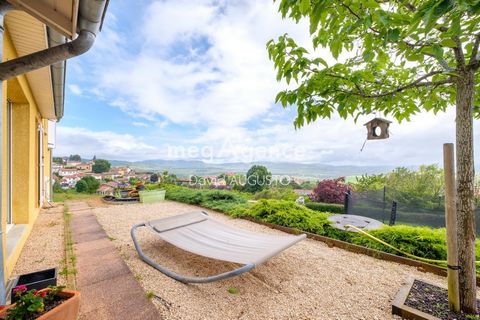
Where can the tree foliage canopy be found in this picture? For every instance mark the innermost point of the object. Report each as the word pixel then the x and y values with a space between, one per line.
pixel 91 183
pixel 75 157
pixel 394 57
pixel 100 166
pixel 423 188
pixel 58 160
pixel 330 191
pixel 81 186
pixel 257 178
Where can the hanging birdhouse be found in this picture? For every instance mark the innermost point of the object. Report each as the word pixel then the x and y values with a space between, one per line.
pixel 377 129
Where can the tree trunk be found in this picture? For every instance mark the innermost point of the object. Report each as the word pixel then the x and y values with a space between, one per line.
pixel 465 191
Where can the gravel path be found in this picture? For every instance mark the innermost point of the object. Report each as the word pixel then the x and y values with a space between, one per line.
pixel 307 281
pixel 44 247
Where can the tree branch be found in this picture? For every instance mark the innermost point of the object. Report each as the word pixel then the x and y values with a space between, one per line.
pixel 356 15
pixel 475 56
pixel 458 51
pixel 442 61
pixel 418 83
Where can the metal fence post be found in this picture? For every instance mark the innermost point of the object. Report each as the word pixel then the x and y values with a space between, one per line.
pixel 346 202
pixel 384 203
pixel 393 213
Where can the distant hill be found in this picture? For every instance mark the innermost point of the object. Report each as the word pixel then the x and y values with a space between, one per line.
pixel 186 168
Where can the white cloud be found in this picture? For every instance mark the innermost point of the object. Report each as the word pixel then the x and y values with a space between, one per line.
pixel 332 141
pixel 103 144
pixel 201 62
pixel 203 65
pixel 139 124
pixel 75 89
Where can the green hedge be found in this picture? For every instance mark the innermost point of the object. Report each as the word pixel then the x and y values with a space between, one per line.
pixel 420 241
pixel 221 200
pixel 276 193
pixel 286 213
pixel 326 207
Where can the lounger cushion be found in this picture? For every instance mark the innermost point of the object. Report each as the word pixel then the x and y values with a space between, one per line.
pixel 198 233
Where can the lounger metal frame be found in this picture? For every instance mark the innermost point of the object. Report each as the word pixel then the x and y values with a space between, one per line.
pixel 178 277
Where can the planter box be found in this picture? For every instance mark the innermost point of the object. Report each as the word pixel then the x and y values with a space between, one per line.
pixel 68 310
pixel 151 196
pixel 36 280
pixel 400 309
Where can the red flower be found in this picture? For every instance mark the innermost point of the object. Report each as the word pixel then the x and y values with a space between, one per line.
pixel 19 289
pixel 43 294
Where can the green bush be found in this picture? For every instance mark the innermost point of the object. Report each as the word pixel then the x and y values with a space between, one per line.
pixel 276 193
pixel 81 186
pixel 92 184
pixel 225 201
pixel 326 207
pixel 286 213
pixel 420 241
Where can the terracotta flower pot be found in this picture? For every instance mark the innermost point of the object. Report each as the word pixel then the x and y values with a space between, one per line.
pixel 67 310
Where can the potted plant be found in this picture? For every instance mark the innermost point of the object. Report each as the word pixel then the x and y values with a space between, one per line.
pixel 52 303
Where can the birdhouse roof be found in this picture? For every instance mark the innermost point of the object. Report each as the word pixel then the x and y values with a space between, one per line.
pixel 378 119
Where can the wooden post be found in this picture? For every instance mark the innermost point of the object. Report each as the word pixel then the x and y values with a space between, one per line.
pixel 451 225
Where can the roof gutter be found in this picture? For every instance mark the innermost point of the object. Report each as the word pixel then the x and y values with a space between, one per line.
pixel 58 71
pixel 91 13
pixel 90 17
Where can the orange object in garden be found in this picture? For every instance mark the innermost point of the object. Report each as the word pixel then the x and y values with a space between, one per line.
pixel 67 310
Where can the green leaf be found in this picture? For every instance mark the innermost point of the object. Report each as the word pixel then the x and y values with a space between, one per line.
pixel 437 51
pixel 449 43
pixel 304 6
pixel 320 60
pixel 393 35
pixel 382 17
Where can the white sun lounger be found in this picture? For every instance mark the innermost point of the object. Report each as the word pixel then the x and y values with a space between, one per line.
pixel 198 233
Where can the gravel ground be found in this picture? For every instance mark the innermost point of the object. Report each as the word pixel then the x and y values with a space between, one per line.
pixel 307 281
pixel 44 247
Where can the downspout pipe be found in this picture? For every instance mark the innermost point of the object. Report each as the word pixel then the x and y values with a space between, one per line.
pixel 47 57
pixel 58 73
pixel 91 13
pixel 90 17
pixel 4 8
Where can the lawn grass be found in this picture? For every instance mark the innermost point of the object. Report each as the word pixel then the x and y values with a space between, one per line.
pixel 72 195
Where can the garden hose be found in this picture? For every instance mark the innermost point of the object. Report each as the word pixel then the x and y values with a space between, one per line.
pixel 442 262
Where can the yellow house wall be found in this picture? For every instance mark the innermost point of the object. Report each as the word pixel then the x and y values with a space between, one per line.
pixel 25 159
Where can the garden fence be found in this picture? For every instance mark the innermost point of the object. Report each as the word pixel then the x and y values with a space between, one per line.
pixel 378 204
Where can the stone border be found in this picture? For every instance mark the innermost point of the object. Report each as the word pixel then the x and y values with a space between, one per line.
pixel 400 309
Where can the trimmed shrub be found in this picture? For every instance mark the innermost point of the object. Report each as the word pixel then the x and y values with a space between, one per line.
pixel 286 213
pixel 420 241
pixel 224 201
pixel 276 193
pixel 326 207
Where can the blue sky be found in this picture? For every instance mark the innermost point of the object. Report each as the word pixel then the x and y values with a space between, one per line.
pixel 181 79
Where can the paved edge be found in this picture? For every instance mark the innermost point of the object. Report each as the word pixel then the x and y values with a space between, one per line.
pixel 108 287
